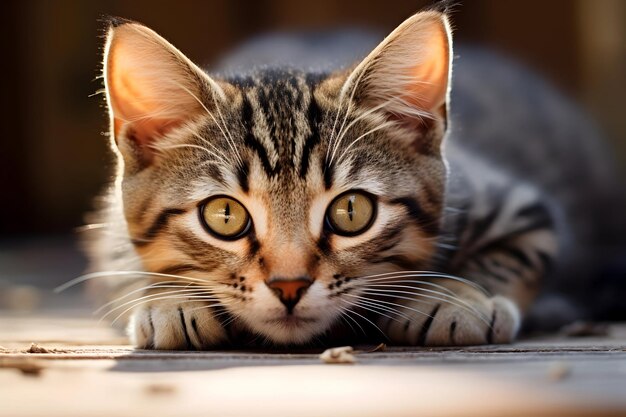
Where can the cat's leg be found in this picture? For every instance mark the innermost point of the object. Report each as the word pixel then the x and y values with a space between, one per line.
pixel 506 246
pixel 176 325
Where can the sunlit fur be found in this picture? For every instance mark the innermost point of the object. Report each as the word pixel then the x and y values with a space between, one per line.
pixel 285 143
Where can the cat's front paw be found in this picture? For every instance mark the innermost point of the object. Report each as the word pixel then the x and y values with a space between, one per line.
pixel 175 326
pixel 475 321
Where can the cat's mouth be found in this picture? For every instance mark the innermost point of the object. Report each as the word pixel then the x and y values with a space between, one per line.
pixel 291 320
pixel 283 328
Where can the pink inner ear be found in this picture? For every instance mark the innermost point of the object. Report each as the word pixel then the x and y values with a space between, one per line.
pixel 144 132
pixel 431 75
pixel 151 86
pixel 132 105
pixel 408 72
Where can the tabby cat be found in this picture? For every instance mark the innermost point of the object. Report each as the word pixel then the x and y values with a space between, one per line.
pixel 294 206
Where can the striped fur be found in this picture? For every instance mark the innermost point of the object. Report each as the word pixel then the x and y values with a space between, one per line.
pixel 285 143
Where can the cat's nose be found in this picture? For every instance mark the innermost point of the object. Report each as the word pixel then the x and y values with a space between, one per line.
pixel 289 290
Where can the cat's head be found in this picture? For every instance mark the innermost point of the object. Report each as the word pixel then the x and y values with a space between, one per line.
pixel 281 193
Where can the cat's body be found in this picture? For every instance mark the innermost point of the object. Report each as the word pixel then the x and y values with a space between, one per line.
pixel 292 153
pixel 506 118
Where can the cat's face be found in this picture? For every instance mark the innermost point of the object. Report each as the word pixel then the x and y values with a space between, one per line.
pixel 281 194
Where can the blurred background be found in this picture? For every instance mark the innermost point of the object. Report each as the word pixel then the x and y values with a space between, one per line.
pixel 53 156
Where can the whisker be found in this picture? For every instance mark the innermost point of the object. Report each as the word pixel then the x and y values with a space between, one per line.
pixel 231 319
pixel 207 142
pixel 419 274
pixel 431 297
pixel 389 307
pixel 128 274
pixel 343 319
pixel 364 302
pixel 342 132
pixel 449 294
pixel 342 101
pixel 369 132
pixel 147 287
pixel 231 144
pixel 360 296
pixel 191 146
pixel 91 226
pixel 224 124
pixel 356 120
pixel 343 314
pixel 350 103
pixel 399 280
pixel 366 319
pixel 449 299
pixel 218 304
pixel 374 109
pixel 183 298
pixel 160 296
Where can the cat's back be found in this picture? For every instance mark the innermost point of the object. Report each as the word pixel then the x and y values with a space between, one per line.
pixel 520 123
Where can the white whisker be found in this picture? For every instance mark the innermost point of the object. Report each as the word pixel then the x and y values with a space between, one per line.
pixel 374 305
pixel 184 298
pixel 342 96
pixel 366 319
pixel 231 144
pixel 363 297
pixel 449 294
pixel 219 111
pixel 342 133
pixel 157 285
pixel 191 146
pixel 394 294
pixel 369 132
pixel 419 274
pixel 127 274
pixel 159 296
pixel 342 316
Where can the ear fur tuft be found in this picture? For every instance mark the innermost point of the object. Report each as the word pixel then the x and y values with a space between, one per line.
pixel 151 87
pixel 408 74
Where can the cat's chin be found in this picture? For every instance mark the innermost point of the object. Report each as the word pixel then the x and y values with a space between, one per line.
pixel 291 329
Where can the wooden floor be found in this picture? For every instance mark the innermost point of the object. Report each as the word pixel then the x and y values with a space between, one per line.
pixel 81 368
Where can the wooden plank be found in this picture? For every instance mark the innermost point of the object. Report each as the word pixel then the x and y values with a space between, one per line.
pixel 88 370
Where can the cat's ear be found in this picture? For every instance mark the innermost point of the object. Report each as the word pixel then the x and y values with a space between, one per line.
pixel 151 86
pixel 408 74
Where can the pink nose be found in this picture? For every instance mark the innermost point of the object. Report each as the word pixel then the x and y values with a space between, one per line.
pixel 289 291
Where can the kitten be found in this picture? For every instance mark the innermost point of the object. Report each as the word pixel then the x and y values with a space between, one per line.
pixel 293 206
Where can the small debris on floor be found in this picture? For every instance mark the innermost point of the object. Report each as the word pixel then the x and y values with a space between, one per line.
pixel 35 348
pixel 160 389
pixel 341 354
pixel 585 329
pixel 559 370
pixel 26 366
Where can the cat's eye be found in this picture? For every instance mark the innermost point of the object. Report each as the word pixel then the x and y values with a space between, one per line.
pixel 225 217
pixel 351 213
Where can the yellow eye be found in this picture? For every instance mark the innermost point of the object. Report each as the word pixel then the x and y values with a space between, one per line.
pixel 225 217
pixel 351 213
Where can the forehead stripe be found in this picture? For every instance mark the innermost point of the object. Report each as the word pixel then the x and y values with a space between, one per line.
pixel 313 116
pixel 252 142
pixel 243 171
